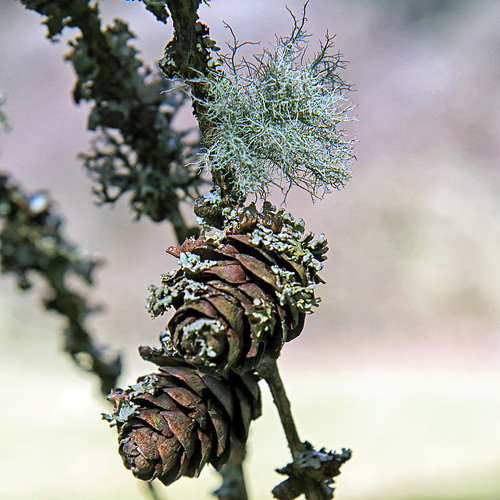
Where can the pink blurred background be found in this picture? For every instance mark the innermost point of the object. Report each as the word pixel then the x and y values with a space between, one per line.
pixel 401 360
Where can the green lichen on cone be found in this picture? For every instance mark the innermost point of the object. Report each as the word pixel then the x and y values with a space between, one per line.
pixel 174 422
pixel 242 292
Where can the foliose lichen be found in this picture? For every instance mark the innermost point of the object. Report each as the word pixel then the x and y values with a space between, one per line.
pixel 200 338
pixel 162 298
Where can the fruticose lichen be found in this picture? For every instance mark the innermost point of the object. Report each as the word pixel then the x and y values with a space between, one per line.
pixel 278 120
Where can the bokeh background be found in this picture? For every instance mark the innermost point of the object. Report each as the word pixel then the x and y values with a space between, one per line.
pixel 402 360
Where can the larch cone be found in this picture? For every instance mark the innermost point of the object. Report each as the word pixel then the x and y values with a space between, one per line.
pixel 240 293
pixel 171 423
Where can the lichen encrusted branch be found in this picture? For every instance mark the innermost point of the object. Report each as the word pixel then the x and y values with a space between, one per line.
pixel 135 150
pixel 189 56
pixel 32 241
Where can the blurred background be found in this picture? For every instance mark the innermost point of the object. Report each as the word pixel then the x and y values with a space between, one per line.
pixel 401 362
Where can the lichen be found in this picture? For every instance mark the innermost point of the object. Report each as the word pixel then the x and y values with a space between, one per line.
pixel 261 317
pixel 278 120
pixel 145 385
pixel 199 336
pixel 124 410
pixel 162 297
pixel 167 344
pixel 194 263
pixel 296 296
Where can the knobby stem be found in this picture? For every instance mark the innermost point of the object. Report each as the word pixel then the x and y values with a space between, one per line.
pixel 268 369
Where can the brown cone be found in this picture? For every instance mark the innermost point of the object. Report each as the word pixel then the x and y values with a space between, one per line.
pixel 249 298
pixel 172 423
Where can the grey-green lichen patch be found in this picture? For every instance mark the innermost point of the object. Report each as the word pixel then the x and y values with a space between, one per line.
pixel 146 385
pixel 293 294
pixel 188 262
pixel 191 262
pixel 123 411
pixel 199 339
pixel 162 297
pixel 279 120
pixel 291 242
pixel 175 284
pixel 261 317
pixel 167 344
pixel 239 213
pixel 124 407
pixel 214 236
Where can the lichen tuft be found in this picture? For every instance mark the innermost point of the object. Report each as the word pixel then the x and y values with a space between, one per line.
pixel 278 120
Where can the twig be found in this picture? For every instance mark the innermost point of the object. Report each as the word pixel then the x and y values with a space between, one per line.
pixel 188 56
pixel 32 241
pixel 233 480
pixel 311 472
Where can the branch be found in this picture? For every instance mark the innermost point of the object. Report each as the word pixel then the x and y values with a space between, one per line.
pixel 268 369
pixel 188 56
pixel 32 241
pixel 151 491
pixel 233 480
pixel 136 151
pixel 311 473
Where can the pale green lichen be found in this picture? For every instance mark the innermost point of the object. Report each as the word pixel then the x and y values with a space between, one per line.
pixel 161 298
pixel 146 385
pixel 278 120
pixel 214 237
pixel 286 243
pixel 296 296
pixel 194 263
pixel 292 243
pixel 197 334
pixel 261 317
pixel 168 344
pixel 176 286
pixel 124 410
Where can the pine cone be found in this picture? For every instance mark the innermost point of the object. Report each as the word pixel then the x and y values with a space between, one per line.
pixel 242 292
pixel 170 424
